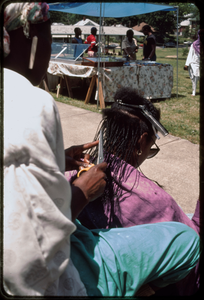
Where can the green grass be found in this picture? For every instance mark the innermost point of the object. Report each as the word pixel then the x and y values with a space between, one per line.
pixel 179 115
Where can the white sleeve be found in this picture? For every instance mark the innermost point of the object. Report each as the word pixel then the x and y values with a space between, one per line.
pixel 37 196
pixel 135 41
pixel 190 56
pixel 124 44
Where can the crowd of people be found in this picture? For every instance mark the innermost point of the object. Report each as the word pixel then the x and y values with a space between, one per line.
pixel 47 251
pixel 129 44
pixel 130 49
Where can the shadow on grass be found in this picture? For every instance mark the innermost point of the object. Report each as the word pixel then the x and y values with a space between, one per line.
pixel 79 91
pixel 171 58
pixel 179 96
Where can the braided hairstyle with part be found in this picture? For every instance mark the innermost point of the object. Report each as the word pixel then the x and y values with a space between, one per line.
pixel 122 128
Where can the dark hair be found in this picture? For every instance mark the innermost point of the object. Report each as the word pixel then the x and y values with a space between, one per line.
pixel 129 31
pixel 146 27
pixel 93 30
pixel 122 127
pixel 77 29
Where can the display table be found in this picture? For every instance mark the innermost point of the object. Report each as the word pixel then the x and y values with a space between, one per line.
pixel 59 68
pixel 152 80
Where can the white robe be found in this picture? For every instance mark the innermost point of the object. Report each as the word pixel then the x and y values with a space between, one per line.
pixel 37 196
pixel 193 63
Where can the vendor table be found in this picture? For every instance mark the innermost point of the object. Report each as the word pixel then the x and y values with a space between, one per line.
pixel 151 79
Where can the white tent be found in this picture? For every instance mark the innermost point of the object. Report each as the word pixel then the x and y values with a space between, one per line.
pixel 65 31
pixel 86 22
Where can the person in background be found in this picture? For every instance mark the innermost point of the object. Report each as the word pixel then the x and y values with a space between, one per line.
pixel 106 50
pixel 129 45
pixel 46 251
pixel 193 62
pixel 77 39
pixel 149 47
pixel 91 39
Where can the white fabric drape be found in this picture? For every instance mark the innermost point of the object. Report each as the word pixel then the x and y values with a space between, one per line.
pixel 37 196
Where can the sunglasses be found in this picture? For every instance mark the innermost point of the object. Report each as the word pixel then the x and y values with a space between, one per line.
pixel 153 151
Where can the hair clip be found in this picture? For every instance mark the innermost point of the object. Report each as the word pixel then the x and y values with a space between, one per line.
pixel 156 124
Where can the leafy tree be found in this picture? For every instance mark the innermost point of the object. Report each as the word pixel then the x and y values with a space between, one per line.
pixel 58 17
pixel 111 21
pixel 186 32
pixel 64 18
pixel 195 13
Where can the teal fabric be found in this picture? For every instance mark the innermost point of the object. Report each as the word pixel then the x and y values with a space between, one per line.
pixel 117 262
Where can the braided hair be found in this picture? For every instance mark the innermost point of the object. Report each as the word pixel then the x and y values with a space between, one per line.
pixel 122 128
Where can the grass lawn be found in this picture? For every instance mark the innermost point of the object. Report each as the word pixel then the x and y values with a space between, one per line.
pixel 179 115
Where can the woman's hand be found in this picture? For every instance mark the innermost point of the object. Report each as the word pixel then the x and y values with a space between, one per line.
pixel 74 154
pixel 89 186
pixel 185 68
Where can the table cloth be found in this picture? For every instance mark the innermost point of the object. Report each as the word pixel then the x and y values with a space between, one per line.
pixel 152 80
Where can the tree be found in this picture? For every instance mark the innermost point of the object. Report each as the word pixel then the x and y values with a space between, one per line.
pixel 64 18
pixel 186 32
pixel 59 17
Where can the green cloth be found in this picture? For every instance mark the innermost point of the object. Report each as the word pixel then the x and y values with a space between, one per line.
pixel 117 262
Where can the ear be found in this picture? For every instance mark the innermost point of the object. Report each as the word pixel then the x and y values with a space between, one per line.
pixel 143 141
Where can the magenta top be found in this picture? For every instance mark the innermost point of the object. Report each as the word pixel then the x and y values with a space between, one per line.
pixel 146 203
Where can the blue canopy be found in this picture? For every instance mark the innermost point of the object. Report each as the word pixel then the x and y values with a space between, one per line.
pixel 109 10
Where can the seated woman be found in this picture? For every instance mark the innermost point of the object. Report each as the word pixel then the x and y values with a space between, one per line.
pixel 130 198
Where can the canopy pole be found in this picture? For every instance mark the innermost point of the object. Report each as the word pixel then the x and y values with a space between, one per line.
pixel 99 54
pixel 177 50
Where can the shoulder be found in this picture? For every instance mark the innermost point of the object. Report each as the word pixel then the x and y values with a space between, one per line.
pixel 124 42
pixel 92 37
pixel 151 39
pixel 134 41
pixel 19 91
pixel 31 114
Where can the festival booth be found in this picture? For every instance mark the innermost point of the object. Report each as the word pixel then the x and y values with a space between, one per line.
pixel 151 79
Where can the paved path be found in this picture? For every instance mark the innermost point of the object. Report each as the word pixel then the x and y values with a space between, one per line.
pixel 176 167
